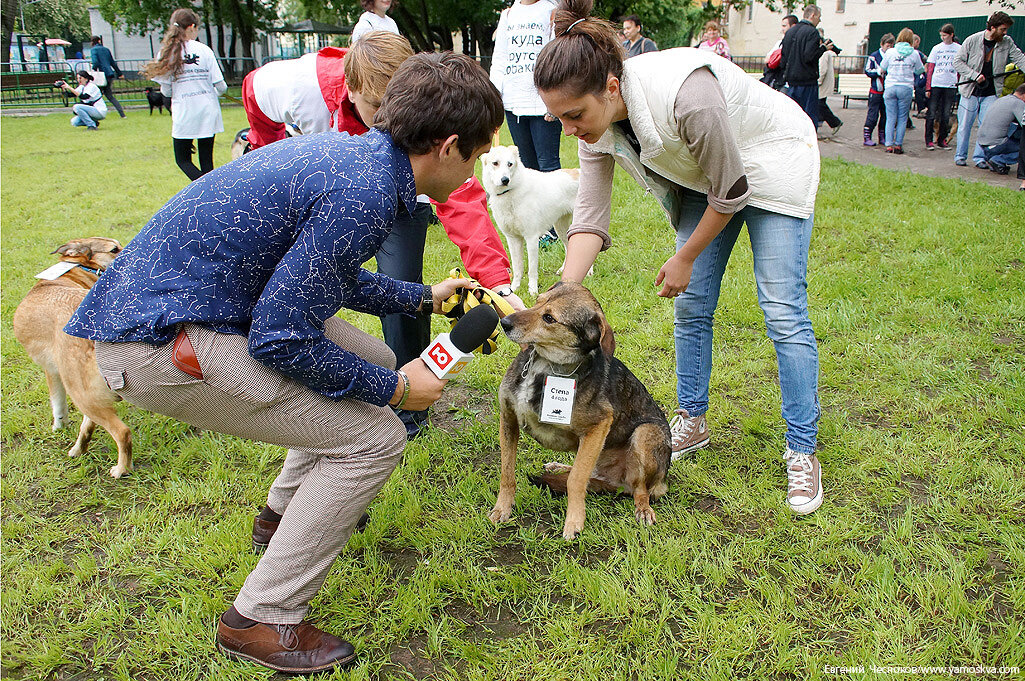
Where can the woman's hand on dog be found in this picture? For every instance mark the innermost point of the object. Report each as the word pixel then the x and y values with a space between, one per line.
pixel 424 387
pixel 445 288
pixel 674 276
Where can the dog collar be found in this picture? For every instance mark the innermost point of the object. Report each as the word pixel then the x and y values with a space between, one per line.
pixel 97 272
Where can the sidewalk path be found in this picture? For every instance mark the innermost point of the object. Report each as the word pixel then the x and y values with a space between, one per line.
pixel 847 144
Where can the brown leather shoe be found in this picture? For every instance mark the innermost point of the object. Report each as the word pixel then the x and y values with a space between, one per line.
pixel 289 648
pixel 263 530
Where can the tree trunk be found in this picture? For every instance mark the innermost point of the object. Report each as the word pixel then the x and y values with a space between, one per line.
pixel 9 14
pixel 410 28
pixel 464 30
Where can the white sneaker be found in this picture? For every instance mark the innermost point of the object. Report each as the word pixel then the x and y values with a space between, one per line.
pixel 689 433
pixel 804 482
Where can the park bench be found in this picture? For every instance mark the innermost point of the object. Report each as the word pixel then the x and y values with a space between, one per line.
pixel 31 83
pixel 853 86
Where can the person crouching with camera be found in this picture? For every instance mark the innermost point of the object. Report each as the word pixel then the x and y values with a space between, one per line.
pixel 91 109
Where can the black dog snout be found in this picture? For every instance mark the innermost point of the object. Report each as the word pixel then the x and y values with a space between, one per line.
pixel 505 181
pixel 507 324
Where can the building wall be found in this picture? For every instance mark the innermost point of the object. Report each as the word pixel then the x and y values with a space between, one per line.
pixel 755 30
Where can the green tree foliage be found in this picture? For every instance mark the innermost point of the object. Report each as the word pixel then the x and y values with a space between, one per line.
pixel 241 18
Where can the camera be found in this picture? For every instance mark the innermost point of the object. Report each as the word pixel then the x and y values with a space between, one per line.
pixel 832 47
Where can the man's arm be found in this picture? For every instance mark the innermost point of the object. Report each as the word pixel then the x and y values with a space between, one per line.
pixel 813 48
pixel 961 61
pixel 1016 55
pixel 318 275
pixel 467 223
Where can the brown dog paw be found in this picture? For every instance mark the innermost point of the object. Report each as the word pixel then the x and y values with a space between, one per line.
pixel 500 514
pixel 119 470
pixel 645 516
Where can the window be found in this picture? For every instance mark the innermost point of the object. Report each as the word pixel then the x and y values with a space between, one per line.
pixel 841 5
pixel 750 11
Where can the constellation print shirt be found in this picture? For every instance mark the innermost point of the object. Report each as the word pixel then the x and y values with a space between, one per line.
pixel 269 247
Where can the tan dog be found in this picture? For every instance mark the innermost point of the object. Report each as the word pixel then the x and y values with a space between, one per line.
pixel 620 435
pixel 69 362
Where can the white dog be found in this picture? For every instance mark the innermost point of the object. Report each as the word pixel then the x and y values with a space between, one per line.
pixel 526 203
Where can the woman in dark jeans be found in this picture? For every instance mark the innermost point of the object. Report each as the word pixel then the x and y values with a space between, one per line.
pixel 517 43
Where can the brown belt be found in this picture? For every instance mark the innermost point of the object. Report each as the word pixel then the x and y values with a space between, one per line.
pixel 183 355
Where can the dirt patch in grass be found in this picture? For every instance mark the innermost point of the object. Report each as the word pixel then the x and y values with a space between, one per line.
pixel 983 369
pixel 411 658
pixel 402 562
pixel 494 623
pixel 461 404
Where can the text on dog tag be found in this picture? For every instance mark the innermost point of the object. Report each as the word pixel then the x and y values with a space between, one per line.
pixel 557 401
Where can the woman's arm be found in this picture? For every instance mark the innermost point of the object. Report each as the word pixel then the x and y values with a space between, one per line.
pixel 589 233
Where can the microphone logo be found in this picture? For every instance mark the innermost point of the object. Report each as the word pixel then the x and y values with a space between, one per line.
pixel 440 355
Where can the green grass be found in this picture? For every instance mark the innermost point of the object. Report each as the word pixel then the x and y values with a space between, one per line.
pixel 917 557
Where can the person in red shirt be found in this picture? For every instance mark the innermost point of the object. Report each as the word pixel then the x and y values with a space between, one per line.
pixel 340 89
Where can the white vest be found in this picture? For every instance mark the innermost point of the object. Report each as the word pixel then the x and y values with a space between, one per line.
pixel 776 138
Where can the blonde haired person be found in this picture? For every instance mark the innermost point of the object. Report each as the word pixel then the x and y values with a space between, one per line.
pixel 899 68
pixel 714 42
pixel 333 89
pixel 374 18
pixel 188 74
pixel 718 150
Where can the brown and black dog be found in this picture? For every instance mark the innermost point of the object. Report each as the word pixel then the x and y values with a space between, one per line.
pixel 69 362
pixel 620 435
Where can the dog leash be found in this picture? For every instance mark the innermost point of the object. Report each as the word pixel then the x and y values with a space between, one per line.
pixel 530 363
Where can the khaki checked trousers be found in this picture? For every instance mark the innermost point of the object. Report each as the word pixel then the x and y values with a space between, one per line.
pixel 340 453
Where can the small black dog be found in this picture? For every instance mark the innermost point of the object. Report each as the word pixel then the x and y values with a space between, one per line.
pixel 157 100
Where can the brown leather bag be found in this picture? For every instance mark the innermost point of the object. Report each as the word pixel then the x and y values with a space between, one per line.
pixel 183 355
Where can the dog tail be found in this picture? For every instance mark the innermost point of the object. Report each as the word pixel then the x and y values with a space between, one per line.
pixel 556 483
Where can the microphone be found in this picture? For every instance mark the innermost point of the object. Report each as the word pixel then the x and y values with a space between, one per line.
pixel 449 353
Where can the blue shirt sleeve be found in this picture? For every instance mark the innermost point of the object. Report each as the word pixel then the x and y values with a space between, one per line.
pixel 319 275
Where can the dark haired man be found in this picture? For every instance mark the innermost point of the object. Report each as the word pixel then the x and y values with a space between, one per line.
pixel 221 314
pixel 772 74
pixel 103 60
pixel 635 43
pixel 979 63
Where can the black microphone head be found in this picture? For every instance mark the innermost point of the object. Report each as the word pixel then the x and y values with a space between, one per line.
pixel 473 328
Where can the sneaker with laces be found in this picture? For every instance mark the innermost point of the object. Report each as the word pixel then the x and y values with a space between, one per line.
pixel 804 481
pixel 689 433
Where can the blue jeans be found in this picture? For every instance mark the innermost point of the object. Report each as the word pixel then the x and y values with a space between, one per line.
pixel 968 110
pixel 86 115
pixel 536 139
pixel 897 99
pixel 808 97
pixel 1005 153
pixel 780 246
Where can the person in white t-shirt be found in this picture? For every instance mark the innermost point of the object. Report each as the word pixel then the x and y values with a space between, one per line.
pixel 90 110
pixel 375 18
pixel 523 30
pixel 188 73
pixel 940 87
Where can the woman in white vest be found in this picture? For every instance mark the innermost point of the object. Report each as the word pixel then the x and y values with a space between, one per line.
pixel 718 149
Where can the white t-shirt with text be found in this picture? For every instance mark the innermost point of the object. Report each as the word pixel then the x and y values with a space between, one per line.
pixel 196 110
pixel 942 56
pixel 522 31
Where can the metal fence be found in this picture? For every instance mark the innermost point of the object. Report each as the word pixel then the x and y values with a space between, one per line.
pixel 854 63
pixel 29 85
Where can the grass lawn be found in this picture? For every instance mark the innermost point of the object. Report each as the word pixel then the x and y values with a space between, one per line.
pixel 917 556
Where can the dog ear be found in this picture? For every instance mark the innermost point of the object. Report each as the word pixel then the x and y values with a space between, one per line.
pixel 608 338
pixel 74 249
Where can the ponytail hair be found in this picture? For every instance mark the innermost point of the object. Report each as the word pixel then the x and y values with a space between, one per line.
pixel 583 53
pixel 170 59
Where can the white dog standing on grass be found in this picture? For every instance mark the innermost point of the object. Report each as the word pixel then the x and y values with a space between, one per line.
pixel 527 203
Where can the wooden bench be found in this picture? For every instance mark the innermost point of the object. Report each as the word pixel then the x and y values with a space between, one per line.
pixel 32 83
pixel 853 86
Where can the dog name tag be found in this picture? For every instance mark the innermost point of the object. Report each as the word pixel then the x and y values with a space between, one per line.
pixel 557 401
pixel 55 271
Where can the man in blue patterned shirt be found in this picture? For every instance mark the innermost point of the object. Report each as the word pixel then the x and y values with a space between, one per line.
pixel 220 313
